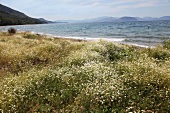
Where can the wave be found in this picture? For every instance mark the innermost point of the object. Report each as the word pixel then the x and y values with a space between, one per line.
pixel 114 39
pixel 123 32
pixel 143 41
pixel 120 40
pixel 143 46
pixel 91 39
pixel 115 34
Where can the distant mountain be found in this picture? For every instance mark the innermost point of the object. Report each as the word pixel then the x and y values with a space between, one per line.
pixel 107 19
pixel 164 18
pixel 66 21
pixel 111 19
pixel 125 19
pixel 101 19
pixel 46 21
pixel 146 18
pixel 153 19
pixel 114 19
pixel 10 16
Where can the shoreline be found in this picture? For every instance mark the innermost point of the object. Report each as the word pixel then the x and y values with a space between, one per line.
pixel 136 34
pixel 114 40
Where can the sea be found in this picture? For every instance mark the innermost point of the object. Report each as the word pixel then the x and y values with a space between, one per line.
pixel 139 33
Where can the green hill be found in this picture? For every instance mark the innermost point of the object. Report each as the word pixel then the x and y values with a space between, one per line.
pixel 9 16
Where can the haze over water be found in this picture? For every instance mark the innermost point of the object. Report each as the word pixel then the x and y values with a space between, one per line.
pixel 142 33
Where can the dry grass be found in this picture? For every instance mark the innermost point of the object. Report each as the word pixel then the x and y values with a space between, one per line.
pixel 46 74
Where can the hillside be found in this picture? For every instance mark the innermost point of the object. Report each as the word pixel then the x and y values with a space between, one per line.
pixel 52 75
pixel 10 16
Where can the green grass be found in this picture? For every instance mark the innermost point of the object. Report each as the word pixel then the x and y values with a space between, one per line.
pixel 45 74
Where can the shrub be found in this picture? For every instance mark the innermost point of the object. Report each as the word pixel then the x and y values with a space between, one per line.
pixel 160 54
pixel 12 30
pixel 166 44
pixel 32 36
pixel 118 52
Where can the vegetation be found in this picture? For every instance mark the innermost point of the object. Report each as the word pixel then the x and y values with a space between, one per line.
pixel 12 30
pixel 45 74
pixel 9 16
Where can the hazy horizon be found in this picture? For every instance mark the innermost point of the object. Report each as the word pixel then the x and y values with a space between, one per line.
pixel 78 10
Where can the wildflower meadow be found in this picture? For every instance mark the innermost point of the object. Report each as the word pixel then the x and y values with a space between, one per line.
pixel 54 75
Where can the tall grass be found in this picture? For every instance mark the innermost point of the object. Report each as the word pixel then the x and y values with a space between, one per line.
pixel 44 74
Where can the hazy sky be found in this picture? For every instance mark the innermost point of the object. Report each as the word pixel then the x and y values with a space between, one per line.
pixel 85 9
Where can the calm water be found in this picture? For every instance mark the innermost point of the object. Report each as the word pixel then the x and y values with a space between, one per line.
pixel 136 33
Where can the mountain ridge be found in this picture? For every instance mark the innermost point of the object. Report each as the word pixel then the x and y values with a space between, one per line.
pixel 9 16
pixel 115 19
pixel 123 19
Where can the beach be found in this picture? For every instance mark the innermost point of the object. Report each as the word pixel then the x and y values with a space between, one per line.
pixel 136 33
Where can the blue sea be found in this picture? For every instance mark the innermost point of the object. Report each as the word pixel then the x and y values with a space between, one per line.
pixel 140 33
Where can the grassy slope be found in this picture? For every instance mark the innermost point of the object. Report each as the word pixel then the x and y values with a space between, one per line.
pixel 43 74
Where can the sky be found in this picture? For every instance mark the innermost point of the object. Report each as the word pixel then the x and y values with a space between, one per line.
pixel 86 9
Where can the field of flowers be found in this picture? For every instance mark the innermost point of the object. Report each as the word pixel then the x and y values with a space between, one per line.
pixel 45 74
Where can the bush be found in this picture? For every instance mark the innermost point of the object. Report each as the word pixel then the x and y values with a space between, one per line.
pixel 32 36
pixel 160 54
pixel 166 44
pixel 12 30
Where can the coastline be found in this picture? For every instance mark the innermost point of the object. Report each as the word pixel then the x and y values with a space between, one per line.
pixel 36 69
pixel 114 40
pixel 135 33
